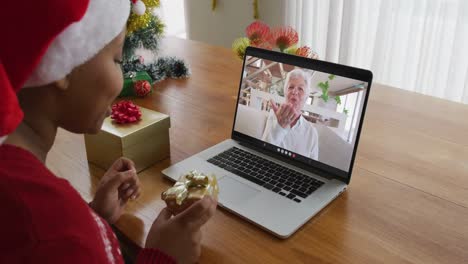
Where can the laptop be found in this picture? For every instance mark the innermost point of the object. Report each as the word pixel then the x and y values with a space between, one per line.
pixel 293 143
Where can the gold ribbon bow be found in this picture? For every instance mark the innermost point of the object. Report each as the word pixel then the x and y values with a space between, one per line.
pixel 192 184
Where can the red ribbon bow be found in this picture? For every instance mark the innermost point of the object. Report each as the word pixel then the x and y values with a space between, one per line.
pixel 125 112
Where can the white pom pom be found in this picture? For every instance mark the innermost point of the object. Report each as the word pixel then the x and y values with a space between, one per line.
pixel 139 8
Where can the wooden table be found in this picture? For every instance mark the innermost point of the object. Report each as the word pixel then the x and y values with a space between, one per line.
pixel 408 198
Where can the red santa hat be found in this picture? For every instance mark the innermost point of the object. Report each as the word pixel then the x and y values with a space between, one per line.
pixel 43 41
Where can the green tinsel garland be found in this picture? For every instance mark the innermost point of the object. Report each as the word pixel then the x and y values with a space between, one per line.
pixel 164 67
pixel 146 32
pixel 147 38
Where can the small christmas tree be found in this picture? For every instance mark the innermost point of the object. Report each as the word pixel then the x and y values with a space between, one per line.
pixel 144 32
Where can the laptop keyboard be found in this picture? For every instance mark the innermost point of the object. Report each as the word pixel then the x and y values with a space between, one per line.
pixel 272 176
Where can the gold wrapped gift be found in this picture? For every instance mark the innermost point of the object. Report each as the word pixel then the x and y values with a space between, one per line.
pixel 144 142
pixel 188 189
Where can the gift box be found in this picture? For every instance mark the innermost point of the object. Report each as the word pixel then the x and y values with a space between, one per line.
pixel 130 79
pixel 145 142
pixel 188 189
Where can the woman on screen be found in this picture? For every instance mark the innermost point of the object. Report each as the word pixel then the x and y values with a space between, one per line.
pixel 286 127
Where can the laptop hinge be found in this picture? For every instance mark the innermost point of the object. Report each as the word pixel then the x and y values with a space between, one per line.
pixel 301 165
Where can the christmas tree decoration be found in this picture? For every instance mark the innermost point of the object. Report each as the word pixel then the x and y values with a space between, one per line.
pixel 283 39
pixel 138 7
pixel 138 21
pixel 142 88
pixel 177 68
pixel 130 78
pixel 165 67
pixel 147 38
pixel 144 32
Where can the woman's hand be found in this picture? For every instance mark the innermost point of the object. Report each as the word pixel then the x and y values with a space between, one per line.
pixel 119 184
pixel 180 236
pixel 285 113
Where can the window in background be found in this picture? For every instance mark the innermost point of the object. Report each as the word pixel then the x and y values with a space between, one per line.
pixel 173 15
pixel 417 45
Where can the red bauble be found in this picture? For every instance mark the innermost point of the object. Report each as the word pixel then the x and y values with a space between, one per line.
pixel 142 88
pixel 125 112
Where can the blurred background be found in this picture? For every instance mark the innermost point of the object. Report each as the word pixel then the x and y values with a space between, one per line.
pixel 417 45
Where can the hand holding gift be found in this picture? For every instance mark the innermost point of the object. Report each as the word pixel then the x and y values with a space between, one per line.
pixel 193 202
pixel 188 189
pixel 180 236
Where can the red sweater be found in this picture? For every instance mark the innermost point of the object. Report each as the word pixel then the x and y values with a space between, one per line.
pixel 44 220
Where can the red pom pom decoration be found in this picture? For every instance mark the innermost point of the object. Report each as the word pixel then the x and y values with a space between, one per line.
pixel 142 88
pixel 125 112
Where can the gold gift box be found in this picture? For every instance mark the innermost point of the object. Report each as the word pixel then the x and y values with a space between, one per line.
pixel 144 142
pixel 190 188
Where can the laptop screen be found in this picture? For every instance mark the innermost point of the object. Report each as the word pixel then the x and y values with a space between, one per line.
pixel 302 113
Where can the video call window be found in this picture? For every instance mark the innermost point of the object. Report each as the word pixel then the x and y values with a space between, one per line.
pixel 313 114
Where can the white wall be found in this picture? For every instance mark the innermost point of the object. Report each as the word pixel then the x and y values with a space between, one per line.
pixel 229 20
pixel 172 13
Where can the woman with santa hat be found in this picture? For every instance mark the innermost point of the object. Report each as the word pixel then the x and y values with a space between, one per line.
pixel 60 67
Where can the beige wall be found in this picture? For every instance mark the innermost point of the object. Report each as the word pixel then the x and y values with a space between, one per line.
pixel 228 21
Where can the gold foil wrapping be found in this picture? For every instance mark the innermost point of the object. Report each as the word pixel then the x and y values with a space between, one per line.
pixel 188 189
pixel 145 142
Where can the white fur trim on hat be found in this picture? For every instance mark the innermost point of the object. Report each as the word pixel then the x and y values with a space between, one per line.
pixel 102 22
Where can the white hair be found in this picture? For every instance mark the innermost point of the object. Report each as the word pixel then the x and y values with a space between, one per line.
pixel 298 73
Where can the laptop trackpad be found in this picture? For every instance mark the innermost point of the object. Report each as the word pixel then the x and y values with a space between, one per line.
pixel 233 191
